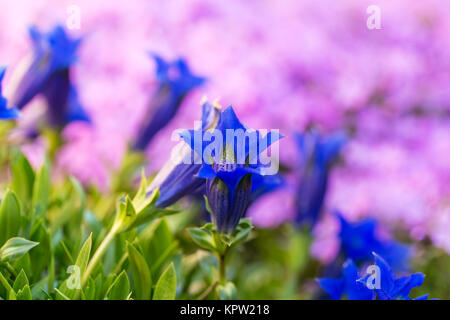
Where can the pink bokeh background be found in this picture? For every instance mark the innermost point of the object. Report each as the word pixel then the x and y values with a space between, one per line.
pixel 283 65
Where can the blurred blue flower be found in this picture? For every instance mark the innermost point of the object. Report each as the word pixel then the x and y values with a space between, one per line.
pixel 177 179
pixel 347 285
pixel 359 240
pixel 229 173
pixel 391 287
pixel 175 82
pixel 48 73
pixel 316 155
pixel 5 112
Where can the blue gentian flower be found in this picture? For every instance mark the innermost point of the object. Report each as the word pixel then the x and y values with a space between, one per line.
pixel 48 73
pixel 228 171
pixel 347 285
pixel 5 112
pixel 263 184
pixel 316 154
pixel 391 287
pixel 177 179
pixel 175 82
pixel 359 240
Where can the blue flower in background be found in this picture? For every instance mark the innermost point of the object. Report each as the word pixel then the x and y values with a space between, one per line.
pixel 230 169
pixel 359 240
pixel 175 82
pixel 316 155
pixel 347 285
pixel 177 179
pixel 5 112
pixel 391 287
pixel 48 73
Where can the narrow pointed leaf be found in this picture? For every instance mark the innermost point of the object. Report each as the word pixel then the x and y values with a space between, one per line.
pixel 140 272
pixel 21 281
pixel 167 284
pixel 120 289
pixel 10 217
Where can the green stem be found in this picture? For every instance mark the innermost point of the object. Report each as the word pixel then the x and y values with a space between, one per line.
pixel 206 293
pixel 5 283
pixel 120 263
pixel 10 269
pixel 222 274
pixel 99 254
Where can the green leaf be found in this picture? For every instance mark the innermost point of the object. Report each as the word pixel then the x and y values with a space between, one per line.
pixel 39 289
pixel 202 238
pixel 167 285
pixel 5 283
pixel 132 214
pixel 148 214
pixel 24 262
pixel 158 246
pixel 15 248
pixel 140 199
pixel 21 281
pixel 120 289
pixel 10 217
pixel 140 273
pixel 83 256
pixel 61 296
pixel 12 295
pixel 42 255
pixel 126 214
pixel 24 293
pixel 22 177
pixel 102 285
pixel 41 190
pixel 89 291
pixel 71 286
pixel 242 231
pixel 166 255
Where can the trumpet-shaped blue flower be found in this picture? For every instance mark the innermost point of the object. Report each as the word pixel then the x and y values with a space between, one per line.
pixel 347 285
pixel 177 179
pixel 229 167
pixel 5 112
pixel 175 82
pixel 48 73
pixel 316 154
pixel 391 287
pixel 359 240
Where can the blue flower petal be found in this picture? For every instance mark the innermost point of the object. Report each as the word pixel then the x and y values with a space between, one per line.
pixel 348 285
pixel 404 285
pixel 5 112
pixel 359 240
pixel 334 287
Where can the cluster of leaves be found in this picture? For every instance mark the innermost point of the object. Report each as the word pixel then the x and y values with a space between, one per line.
pixel 61 241
pixel 48 238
